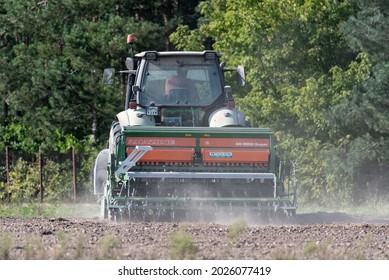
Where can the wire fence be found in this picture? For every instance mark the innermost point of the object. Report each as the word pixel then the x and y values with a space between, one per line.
pixel 45 177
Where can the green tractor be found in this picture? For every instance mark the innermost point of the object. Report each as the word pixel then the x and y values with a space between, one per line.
pixel 181 151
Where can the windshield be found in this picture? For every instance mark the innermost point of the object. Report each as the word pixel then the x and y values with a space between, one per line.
pixel 180 81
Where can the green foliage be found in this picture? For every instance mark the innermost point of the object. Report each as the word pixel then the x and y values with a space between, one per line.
pixel 58 181
pixel 233 233
pixel 48 210
pixel 34 249
pixel 236 228
pixel 287 48
pixel 318 74
pixel 321 249
pixel 63 240
pixel 187 40
pixel 361 120
pixel 107 248
pixel 182 246
pixel 79 247
pixel 57 175
pixel 14 134
pixel 53 54
pixel 25 182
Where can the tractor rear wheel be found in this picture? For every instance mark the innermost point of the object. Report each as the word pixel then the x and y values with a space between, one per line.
pixel 103 208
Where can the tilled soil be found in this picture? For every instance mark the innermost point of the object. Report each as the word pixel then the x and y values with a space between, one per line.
pixel 310 236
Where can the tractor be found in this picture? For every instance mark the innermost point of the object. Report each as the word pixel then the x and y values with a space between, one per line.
pixel 181 151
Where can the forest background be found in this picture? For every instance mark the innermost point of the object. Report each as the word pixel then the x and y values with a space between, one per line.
pixel 317 75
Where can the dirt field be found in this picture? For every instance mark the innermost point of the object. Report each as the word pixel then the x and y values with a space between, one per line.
pixel 311 236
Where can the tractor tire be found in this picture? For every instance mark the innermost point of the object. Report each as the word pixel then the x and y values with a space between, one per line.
pixel 115 132
pixel 103 209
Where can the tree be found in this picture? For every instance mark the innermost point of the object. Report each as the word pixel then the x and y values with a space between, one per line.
pixel 361 119
pixel 53 53
pixel 290 50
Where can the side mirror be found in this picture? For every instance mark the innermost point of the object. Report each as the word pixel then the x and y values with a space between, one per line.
pixel 136 90
pixel 241 76
pixel 228 90
pixel 108 76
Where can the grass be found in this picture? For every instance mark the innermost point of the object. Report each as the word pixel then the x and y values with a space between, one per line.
pixel 320 249
pixel 108 248
pixel 63 241
pixel 182 246
pixel 34 249
pixel 370 208
pixel 373 208
pixel 236 228
pixel 48 210
pixel 79 247
pixel 233 233
pixel 324 250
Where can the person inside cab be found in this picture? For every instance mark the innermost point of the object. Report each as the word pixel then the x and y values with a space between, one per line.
pixel 179 89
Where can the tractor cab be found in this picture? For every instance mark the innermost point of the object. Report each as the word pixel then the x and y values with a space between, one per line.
pixel 178 89
pixel 176 79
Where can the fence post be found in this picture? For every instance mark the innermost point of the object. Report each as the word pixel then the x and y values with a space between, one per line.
pixel 7 172
pixel 40 173
pixel 7 164
pixel 74 175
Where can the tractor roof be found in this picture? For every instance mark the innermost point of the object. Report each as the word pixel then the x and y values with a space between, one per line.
pixel 178 53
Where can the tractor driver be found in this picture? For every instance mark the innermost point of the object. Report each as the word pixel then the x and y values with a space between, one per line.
pixel 182 82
